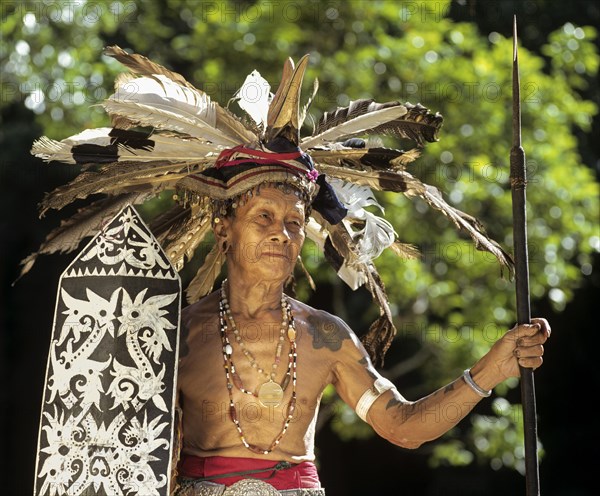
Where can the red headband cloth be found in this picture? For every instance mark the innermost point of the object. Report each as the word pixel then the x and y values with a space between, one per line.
pixel 263 158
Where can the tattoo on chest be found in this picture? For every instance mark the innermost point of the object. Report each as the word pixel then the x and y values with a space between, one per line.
pixel 326 334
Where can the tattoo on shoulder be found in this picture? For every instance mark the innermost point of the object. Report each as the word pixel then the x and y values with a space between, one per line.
pixel 326 334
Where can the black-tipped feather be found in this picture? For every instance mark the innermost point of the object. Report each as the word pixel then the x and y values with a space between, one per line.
pixel 365 158
pixel 93 153
pixel 415 123
pixel 418 125
pixel 403 182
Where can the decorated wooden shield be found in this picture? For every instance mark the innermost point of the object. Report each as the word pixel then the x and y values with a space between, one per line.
pixel 107 417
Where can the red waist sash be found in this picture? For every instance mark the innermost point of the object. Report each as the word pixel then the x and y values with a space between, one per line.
pixel 300 475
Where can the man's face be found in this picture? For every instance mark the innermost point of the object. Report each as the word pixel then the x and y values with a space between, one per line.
pixel 266 235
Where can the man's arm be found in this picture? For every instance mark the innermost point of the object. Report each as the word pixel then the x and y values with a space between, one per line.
pixel 411 423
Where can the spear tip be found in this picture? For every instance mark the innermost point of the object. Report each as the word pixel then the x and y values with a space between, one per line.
pixel 516 93
pixel 515 52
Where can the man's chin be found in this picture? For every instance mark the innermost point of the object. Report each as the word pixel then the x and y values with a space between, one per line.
pixel 275 266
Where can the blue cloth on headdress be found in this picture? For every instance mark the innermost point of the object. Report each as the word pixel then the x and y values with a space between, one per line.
pixel 325 202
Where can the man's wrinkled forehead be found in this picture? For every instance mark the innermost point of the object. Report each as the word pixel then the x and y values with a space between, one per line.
pixel 274 198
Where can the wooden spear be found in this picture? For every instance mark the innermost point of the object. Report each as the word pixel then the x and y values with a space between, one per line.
pixel 518 183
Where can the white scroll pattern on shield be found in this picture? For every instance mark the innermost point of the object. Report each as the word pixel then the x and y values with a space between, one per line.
pixel 108 410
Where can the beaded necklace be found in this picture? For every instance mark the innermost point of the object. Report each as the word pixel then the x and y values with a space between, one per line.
pixel 271 391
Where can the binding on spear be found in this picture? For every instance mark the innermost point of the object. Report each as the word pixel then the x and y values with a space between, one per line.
pixel 518 183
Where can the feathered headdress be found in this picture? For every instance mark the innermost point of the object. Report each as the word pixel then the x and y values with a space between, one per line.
pixel 205 153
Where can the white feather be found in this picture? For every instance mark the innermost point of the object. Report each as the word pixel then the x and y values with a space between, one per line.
pixel 163 104
pixel 355 126
pixel 354 197
pixel 378 234
pixel 254 97
pixel 97 136
pixel 352 277
pixel 315 232
pixel 48 149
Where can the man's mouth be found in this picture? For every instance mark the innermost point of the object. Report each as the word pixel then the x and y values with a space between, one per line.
pixel 272 254
pixel 275 255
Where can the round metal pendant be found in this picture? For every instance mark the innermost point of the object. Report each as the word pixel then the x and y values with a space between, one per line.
pixel 270 394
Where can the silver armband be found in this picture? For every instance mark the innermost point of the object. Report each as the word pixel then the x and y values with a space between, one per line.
pixel 474 386
pixel 380 386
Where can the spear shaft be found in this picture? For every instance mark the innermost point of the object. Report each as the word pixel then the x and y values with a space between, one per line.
pixel 518 183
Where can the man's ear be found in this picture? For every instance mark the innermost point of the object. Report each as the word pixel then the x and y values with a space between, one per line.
pixel 220 230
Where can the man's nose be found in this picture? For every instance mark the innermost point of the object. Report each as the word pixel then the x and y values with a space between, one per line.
pixel 280 233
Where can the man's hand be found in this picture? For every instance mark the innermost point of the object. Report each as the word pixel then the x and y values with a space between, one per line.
pixel 523 345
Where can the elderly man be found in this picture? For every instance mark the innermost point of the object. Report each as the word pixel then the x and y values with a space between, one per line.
pixel 255 361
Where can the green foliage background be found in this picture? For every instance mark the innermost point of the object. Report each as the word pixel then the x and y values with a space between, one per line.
pixel 453 302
